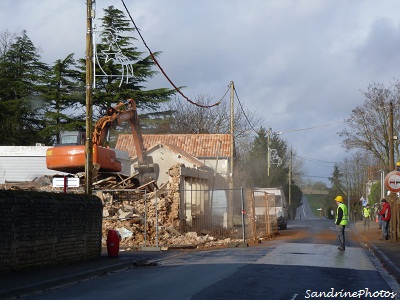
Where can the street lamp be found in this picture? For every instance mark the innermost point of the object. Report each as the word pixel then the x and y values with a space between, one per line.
pixel 269 146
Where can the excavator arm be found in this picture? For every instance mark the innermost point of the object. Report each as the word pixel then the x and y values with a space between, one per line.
pixel 103 125
pixel 123 112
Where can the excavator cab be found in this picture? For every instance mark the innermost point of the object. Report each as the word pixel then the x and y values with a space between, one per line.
pixel 72 138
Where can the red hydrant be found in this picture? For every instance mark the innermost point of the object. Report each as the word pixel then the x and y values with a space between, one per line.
pixel 113 243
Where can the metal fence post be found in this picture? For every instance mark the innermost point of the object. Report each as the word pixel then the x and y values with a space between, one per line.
pixel 243 225
pixel 253 219
pixel 268 215
pixel 145 217
pixel 155 193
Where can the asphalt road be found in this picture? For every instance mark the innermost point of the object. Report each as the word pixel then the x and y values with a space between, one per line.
pixel 303 263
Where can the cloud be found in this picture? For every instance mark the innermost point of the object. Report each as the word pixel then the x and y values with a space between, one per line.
pixel 379 52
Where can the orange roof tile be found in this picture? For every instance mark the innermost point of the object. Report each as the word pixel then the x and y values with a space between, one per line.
pixel 196 145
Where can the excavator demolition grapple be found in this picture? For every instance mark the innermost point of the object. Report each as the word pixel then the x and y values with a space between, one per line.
pixel 70 155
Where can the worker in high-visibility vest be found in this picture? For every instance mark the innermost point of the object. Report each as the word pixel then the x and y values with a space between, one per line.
pixel 341 221
pixel 366 216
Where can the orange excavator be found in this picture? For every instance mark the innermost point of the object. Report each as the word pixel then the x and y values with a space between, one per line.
pixel 70 155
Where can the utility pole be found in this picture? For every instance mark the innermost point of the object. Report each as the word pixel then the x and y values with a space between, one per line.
pixel 393 202
pixel 89 96
pixel 230 206
pixel 290 184
pixel 382 183
pixel 348 198
pixel 232 88
pixel 269 150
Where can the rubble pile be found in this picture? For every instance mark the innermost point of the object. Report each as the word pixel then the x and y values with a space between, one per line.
pixel 133 213
pixel 124 211
pixel 132 218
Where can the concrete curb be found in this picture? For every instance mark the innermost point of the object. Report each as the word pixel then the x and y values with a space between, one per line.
pixel 388 264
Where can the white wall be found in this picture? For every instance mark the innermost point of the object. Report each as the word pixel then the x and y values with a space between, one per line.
pixel 164 158
pixel 221 164
pixel 23 163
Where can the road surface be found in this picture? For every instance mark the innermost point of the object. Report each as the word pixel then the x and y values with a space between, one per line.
pixel 302 263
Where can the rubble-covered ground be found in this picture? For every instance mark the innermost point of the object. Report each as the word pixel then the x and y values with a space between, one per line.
pixel 133 226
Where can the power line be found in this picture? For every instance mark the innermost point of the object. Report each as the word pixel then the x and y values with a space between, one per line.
pixel 317 176
pixel 241 108
pixel 309 128
pixel 316 160
pixel 162 70
pixel 290 130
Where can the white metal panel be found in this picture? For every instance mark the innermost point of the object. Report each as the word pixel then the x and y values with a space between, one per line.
pixel 23 151
pixel 23 163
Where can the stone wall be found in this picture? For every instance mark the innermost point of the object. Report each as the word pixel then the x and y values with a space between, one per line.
pixel 40 229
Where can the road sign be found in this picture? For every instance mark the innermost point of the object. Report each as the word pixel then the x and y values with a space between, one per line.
pixel 392 181
pixel 71 182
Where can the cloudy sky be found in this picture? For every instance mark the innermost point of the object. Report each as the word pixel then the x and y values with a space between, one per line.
pixel 298 64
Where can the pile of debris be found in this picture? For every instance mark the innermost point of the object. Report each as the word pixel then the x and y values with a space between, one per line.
pixel 134 215
pixel 38 184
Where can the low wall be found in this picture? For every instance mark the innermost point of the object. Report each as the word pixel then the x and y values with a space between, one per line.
pixel 40 229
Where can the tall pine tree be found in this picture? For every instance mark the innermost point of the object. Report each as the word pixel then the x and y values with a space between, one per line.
pixel 21 106
pixel 64 95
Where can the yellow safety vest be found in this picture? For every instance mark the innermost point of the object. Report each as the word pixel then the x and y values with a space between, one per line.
pixel 367 212
pixel 344 220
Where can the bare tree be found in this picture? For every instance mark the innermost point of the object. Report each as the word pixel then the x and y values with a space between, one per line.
pixel 297 166
pixel 189 118
pixel 355 170
pixel 369 123
pixel 6 40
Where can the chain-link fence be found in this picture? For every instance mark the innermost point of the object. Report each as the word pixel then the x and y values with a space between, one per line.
pixel 265 207
pixel 188 217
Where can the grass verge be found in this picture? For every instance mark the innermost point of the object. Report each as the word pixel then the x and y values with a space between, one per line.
pixel 315 201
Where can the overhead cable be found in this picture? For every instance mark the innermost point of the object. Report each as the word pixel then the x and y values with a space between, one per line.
pixel 309 128
pixel 241 107
pixel 316 160
pixel 162 70
pixel 316 176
